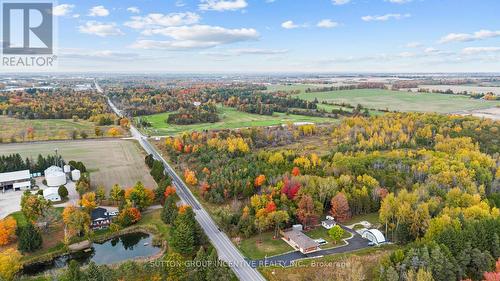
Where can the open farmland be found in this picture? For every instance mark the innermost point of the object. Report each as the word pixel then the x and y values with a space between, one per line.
pixel 46 129
pixel 109 161
pixel 294 87
pixel 462 88
pixel 230 119
pixel 401 101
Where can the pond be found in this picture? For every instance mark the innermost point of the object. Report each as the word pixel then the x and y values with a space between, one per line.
pixel 121 248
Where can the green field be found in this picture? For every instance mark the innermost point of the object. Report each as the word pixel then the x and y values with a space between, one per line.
pixel 261 246
pixel 110 162
pixel 230 119
pixel 47 129
pixel 293 87
pixel 401 101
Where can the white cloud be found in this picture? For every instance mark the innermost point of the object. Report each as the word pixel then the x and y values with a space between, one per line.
pixel 431 50
pixel 133 10
pixel 100 29
pixel 414 45
pixel 480 50
pixel 98 11
pixel 161 20
pixel 327 23
pixel 466 37
pixel 340 2
pixel 62 10
pixel 289 25
pixel 385 17
pixel 406 55
pixel 222 5
pixel 196 36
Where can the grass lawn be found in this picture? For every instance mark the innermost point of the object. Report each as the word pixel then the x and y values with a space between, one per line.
pixel 230 119
pixel 345 265
pixel 371 218
pixel 321 232
pixel 253 249
pixel 47 129
pixel 154 219
pixel 52 238
pixel 402 101
pixel 111 161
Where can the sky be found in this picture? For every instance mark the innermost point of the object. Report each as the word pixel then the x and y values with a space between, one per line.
pixel 279 35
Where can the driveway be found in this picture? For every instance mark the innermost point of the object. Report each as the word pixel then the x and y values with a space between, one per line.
pixel 356 242
pixel 10 202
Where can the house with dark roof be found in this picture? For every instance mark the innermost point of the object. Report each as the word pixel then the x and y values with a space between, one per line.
pixel 100 218
pixel 299 241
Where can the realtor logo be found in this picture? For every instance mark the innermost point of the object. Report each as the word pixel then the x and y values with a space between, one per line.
pixel 27 28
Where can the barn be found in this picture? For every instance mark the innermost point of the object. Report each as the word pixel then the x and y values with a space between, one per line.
pixel 19 180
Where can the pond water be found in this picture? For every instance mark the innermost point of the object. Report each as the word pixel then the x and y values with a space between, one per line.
pixel 121 248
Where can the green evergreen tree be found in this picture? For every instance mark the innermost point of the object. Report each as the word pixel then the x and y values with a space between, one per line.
pixel 182 236
pixel 169 211
pixel 93 273
pixel 29 238
pixel 72 273
pixel 198 273
pixel 175 267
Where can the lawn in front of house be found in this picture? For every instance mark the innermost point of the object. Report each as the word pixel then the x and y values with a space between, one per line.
pixel 321 232
pixel 258 247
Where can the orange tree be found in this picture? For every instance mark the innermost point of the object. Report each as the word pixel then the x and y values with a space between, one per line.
pixel 7 230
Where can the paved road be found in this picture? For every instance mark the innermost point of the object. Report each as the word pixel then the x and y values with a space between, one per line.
pixel 356 242
pixel 225 248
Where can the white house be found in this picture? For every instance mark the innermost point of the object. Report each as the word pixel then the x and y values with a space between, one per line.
pixel 374 235
pixel 328 223
pixel 51 194
pixel 19 180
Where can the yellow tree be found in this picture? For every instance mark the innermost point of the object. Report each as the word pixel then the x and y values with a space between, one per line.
pixel 89 201
pixel 10 264
pixel 76 221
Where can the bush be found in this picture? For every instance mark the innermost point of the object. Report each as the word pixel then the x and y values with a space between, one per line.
pixel 29 238
pixel 63 192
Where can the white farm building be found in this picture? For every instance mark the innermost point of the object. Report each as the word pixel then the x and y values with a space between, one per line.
pixel 51 194
pixel 55 176
pixel 374 235
pixel 20 180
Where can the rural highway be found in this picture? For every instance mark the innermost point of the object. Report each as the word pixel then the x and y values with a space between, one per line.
pixel 225 248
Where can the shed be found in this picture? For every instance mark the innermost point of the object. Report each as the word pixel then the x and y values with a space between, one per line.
pixel 374 235
pixel 51 194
